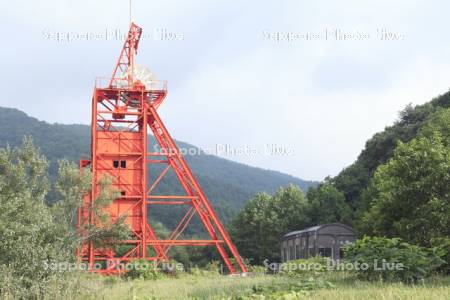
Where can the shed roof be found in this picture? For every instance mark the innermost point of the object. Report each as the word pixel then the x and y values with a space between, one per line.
pixel 315 228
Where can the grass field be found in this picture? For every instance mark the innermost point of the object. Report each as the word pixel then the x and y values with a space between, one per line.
pixel 338 286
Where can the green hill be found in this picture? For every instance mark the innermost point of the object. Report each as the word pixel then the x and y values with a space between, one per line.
pixel 227 184
pixel 353 180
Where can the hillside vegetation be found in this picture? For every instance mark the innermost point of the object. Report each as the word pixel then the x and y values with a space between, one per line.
pixel 380 148
pixel 397 188
pixel 227 184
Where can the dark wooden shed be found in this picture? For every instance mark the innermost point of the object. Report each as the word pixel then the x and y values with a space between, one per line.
pixel 325 240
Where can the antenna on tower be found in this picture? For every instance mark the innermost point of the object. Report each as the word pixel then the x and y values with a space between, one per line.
pixel 130 12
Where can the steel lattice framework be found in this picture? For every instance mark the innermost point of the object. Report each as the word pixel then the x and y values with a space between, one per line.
pixel 122 114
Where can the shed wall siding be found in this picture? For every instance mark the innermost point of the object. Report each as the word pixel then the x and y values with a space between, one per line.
pixel 325 240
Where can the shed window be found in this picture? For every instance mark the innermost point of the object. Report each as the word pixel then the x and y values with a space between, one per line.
pixel 123 164
pixel 325 252
pixel 297 251
pixel 115 164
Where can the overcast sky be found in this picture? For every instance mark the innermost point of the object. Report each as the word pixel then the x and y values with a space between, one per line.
pixel 236 83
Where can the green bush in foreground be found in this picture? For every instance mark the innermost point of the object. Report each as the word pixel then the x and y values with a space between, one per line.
pixel 38 240
pixel 300 278
pixel 291 290
pixel 29 235
pixel 442 248
pixel 391 259
pixel 143 269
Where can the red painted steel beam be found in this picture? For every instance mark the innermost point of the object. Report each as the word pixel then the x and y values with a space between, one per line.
pixel 121 117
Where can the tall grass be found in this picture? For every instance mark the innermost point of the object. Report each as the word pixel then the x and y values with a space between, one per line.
pixel 210 286
pixel 184 287
pixel 392 291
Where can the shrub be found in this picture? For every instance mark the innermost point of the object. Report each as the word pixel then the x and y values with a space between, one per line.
pixel 30 235
pixel 143 269
pixel 172 268
pixel 391 259
pixel 441 247
pixel 289 290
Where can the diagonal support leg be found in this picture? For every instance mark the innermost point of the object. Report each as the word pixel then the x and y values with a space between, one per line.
pixel 192 188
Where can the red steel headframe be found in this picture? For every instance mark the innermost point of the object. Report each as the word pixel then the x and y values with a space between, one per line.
pixel 122 113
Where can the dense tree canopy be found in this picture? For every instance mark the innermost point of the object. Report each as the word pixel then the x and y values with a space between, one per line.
pixel 326 204
pixel 399 187
pixel 354 179
pixel 27 229
pixel 34 234
pixel 259 226
pixel 409 196
pixel 258 229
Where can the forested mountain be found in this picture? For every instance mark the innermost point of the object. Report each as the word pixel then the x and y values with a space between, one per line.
pixel 228 184
pixel 353 180
pixel 397 188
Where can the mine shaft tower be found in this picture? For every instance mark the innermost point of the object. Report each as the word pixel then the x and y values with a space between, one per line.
pixel 123 111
